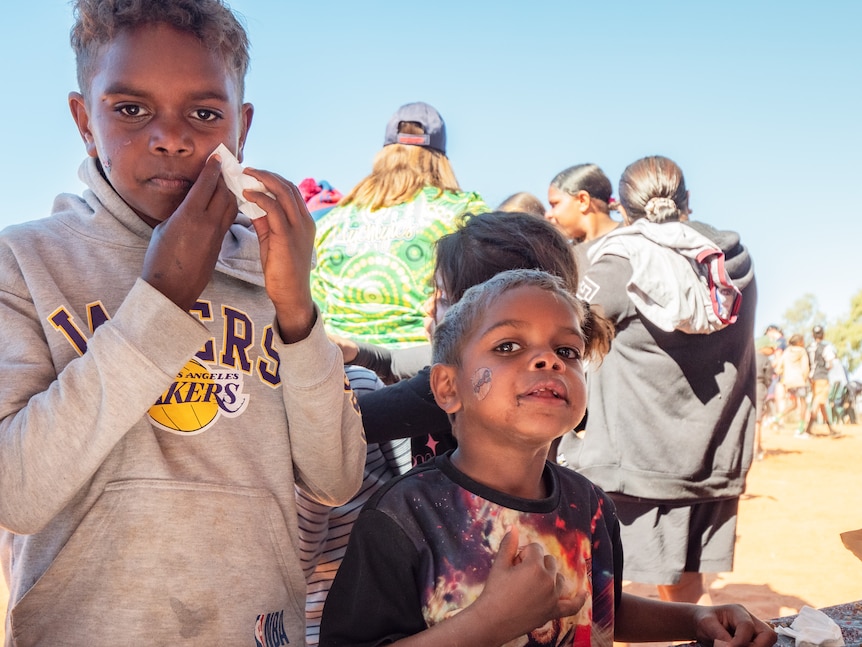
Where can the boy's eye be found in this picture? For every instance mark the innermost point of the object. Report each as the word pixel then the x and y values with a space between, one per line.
pixel 508 347
pixel 569 353
pixel 130 110
pixel 206 115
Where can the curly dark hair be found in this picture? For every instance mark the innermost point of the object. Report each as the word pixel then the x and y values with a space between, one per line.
pixel 97 22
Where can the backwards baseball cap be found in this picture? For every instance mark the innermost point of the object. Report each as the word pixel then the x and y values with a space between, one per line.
pixel 427 117
pixel 817 331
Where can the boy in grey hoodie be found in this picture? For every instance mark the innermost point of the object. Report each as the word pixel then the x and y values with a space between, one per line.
pixel 168 378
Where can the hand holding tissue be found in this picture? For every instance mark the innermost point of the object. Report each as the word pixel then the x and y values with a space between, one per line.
pixel 237 182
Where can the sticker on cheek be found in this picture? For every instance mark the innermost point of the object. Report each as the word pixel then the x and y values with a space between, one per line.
pixel 481 382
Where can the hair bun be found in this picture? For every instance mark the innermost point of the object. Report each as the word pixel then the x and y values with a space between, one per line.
pixel 661 209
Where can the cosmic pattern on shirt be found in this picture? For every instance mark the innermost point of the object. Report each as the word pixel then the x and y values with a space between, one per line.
pixel 464 548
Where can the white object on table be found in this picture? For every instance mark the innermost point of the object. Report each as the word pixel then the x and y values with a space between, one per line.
pixel 813 628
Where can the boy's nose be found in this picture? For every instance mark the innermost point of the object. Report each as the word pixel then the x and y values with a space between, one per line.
pixel 169 137
pixel 548 360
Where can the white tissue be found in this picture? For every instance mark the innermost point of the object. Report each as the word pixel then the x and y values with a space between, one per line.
pixel 813 628
pixel 237 181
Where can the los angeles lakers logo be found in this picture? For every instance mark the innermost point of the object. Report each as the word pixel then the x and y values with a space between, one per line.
pixel 197 398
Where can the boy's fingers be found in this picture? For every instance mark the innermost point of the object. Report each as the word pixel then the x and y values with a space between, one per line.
pixel 508 548
pixel 205 186
pixel 287 196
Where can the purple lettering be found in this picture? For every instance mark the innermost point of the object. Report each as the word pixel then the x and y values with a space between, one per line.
pixel 239 337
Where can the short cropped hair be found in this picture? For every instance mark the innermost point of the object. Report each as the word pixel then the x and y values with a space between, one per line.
pixel 461 319
pixel 97 22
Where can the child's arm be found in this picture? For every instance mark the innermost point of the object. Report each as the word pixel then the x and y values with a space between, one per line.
pixel 56 430
pixel 327 440
pixel 646 620
pixel 286 238
pixel 405 409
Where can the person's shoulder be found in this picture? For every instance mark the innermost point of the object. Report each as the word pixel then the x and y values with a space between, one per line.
pixel 56 225
pixel 574 481
pixel 404 486
pixel 460 199
pixel 334 216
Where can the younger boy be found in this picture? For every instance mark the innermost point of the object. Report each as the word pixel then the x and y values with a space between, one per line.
pixel 491 544
pixel 169 378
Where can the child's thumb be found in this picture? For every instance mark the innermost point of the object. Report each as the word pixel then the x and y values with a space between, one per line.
pixel 508 547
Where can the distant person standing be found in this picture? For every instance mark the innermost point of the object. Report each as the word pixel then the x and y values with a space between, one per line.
pixel 774 332
pixel 765 348
pixel 821 355
pixel 375 249
pixel 794 371
pixel 670 431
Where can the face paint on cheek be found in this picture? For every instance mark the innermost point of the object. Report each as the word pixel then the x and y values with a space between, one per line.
pixel 481 382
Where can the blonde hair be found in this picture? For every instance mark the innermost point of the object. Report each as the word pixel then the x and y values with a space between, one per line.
pixel 399 172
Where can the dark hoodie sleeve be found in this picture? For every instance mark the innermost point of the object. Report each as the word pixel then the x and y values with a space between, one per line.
pixel 604 285
pixel 404 410
pixel 393 365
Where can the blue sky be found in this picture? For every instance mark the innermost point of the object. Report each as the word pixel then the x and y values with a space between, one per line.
pixel 758 101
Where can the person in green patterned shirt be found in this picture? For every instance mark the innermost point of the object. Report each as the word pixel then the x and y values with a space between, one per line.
pixel 375 250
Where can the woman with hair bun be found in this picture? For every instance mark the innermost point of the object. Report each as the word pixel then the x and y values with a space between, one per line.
pixel 672 406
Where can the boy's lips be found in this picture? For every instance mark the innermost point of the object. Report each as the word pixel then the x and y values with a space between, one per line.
pixel 171 183
pixel 551 389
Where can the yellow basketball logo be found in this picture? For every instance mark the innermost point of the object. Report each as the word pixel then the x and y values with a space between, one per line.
pixel 197 398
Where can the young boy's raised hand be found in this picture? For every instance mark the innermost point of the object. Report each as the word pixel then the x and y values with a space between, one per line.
pixel 525 590
pixel 286 236
pixel 184 248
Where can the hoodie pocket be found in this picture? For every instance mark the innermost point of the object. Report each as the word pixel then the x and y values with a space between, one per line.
pixel 167 562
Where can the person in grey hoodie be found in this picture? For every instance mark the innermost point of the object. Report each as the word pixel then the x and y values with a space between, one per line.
pixel 168 379
pixel 670 428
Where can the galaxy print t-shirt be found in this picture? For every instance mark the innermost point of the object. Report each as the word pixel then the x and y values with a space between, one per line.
pixel 422 549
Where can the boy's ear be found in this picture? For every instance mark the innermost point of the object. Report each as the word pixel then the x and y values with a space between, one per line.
pixel 445 388
pixel 78 107
pixel 245 115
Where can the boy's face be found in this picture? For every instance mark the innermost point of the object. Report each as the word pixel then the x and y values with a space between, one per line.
pixel 521 380
pixel 158 104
